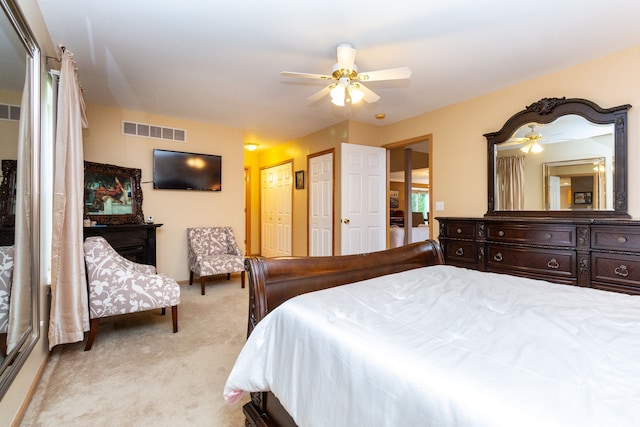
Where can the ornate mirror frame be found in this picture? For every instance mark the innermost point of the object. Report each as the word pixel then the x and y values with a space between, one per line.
pixel 546 111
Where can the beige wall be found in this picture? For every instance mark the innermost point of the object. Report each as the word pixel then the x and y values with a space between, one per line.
pixel 175 209
pixel 459 175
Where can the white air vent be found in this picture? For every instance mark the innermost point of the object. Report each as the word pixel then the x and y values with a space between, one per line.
pixel 10 112
pixel 152 131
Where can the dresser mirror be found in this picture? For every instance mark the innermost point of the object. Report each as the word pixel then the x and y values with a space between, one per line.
pixel 19 127
pixel 559 158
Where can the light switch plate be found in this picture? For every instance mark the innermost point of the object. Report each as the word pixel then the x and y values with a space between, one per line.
pixel 439 206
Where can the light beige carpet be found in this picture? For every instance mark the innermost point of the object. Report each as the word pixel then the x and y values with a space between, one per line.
pixel 139 373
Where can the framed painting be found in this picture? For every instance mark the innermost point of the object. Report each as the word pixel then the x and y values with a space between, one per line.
pixel 112 194
pixel 8 193
pixel 582 198
pixel 299 180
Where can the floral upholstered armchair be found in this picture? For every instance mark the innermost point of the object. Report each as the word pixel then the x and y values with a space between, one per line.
pixel 212 251
pixel 6 276
pixel 120 286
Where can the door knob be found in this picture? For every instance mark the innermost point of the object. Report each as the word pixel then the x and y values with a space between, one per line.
pixel 346 220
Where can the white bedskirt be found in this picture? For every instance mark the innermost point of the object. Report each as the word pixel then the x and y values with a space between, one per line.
pixel 445 346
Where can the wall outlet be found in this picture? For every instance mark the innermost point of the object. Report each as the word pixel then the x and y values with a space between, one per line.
pixel 439 206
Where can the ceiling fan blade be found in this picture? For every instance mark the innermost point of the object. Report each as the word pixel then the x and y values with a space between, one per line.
pixel 389 74
pixel 305 75
pixel 319 94
pixel 369 95
pixel 346 56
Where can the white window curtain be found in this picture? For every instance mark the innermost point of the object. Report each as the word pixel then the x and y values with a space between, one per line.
pixel 69 317
pixel 510 183
pixel 20 307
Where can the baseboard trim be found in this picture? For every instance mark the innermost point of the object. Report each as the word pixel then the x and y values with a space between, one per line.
pixel 32 390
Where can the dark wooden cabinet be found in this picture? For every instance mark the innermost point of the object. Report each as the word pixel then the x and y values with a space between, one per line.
pixel 136 242
pixel 598 253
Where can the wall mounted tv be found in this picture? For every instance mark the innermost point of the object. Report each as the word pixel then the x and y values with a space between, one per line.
pixel 176 170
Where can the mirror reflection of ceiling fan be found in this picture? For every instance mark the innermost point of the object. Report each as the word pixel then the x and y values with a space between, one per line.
pixel 346 87
pixel 532 140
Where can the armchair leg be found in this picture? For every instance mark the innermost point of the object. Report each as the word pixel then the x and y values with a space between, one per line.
pixel 92 333
pixel 202 285
pixel 3 344
pixel 228 276
pixel 174 317
pixel 242 274
pixel 190 278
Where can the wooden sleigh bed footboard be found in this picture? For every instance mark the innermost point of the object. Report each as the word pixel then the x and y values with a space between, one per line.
pixel 275 280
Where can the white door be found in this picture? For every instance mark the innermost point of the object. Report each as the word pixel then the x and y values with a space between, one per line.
pixel 275 205
pixel 321 205
pixel 554 193
pixel 364 188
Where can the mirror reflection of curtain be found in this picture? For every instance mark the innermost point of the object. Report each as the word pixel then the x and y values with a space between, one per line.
pixel 510 183
pixel 69 316
pixel 20 302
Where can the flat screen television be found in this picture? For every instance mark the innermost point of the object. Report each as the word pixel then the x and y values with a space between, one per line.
pixel 176 170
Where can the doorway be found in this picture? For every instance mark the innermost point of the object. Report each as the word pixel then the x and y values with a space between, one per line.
pixel 410 190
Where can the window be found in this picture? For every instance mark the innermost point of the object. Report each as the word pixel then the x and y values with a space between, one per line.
pixel 420 201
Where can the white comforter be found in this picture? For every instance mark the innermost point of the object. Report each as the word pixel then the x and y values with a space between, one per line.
pixel 445 346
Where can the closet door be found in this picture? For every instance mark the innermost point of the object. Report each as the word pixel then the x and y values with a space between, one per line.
pixel 321 205
pixel 275 205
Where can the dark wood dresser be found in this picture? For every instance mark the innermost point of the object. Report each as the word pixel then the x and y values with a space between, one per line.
pixel 136 242
pixel 598 253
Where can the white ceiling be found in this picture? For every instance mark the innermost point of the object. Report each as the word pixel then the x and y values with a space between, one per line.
pixel 219 61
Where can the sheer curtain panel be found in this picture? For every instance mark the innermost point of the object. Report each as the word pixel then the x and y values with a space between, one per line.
pixel 69 313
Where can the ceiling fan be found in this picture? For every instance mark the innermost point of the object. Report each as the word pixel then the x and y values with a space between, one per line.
pixel 533 139
pixel 346 86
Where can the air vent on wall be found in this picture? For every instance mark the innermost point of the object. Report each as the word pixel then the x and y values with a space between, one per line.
pixel 153 131
pixel 10 112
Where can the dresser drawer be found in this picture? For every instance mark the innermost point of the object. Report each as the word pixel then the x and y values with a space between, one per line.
pixel 460 229
pixel 457 251
pixel 615 269
pixel 533 234
pixel 541 262
pixel 618 238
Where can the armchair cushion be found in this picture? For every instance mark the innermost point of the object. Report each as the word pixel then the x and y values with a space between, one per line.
pixel 6 277
pixel 119 286
pixel 212 251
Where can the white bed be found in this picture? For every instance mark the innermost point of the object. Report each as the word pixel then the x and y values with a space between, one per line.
pixel 445 346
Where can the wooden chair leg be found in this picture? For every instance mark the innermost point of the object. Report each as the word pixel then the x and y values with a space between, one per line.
pixel 92 333
pixel 242 274
pixel 3 344
pixel 174 317
pixel 190 278
pixel 202 285
pixel 164 310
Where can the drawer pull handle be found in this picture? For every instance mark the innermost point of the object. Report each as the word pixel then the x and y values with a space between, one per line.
pixel 553 264
pixel 498 257
pixel 547 236
pixel 459 231
pixel 460 252
pixel 621 271
pixel 500 233
pixel 622 240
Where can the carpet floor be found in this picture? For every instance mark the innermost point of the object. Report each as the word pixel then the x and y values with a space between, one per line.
pixel 139 373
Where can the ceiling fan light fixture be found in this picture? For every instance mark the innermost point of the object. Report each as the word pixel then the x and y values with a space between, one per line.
pixel 535 147
pixel 355 93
